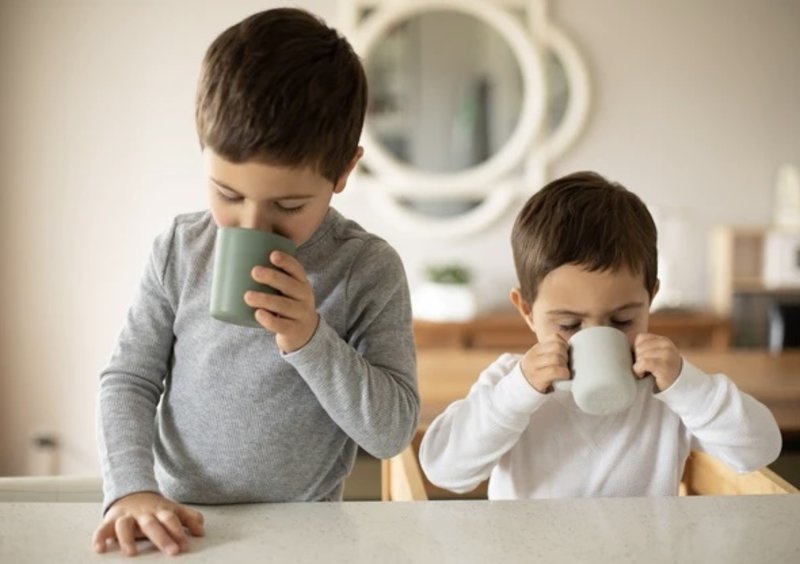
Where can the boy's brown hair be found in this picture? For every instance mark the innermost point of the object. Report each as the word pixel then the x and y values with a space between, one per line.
pixel 283 88
pixel 583 219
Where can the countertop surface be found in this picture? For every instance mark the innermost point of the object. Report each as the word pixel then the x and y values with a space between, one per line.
pixel 746 529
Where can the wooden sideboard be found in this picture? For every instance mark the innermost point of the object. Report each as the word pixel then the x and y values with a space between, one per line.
pixel 506 330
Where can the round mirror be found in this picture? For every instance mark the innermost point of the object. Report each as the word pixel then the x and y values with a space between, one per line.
pixel 445 91
pixel 452 109
pixel 470 101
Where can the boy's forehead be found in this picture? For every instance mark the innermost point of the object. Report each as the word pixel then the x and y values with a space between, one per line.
pixel 575 288
pixel 254 175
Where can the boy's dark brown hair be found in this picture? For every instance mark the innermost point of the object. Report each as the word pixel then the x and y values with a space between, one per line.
pixel 283 88
pixel 583 219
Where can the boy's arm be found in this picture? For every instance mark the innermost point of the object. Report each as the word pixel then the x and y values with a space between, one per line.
pixel 132 383
pixel 723 421
pixel 465 443
pixel 367 381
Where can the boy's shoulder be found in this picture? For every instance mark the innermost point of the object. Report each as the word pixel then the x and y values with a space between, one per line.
pixel 345 231
pixel 187 227
pixel 194 223
pixel 188 235
pixel 355 254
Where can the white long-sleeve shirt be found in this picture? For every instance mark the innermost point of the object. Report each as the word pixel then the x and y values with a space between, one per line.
pixel 533 445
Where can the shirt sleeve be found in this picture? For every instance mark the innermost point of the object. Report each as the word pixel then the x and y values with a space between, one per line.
pixel 132 383
pixel 467 440
pixel 722 420
pixel 366 380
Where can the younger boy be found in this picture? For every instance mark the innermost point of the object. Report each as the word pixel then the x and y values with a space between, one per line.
pixel 585 254
pixel 193 410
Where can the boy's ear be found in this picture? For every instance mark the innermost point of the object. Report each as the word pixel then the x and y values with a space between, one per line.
pixel 342 182
pixel 522 306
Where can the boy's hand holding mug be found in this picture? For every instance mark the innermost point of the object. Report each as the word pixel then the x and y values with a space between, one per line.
pixel 292 313
pixel 597 365
pixel 658 356
pixel 546 362
pixel 258 283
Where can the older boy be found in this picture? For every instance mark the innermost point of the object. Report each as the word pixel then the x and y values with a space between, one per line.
pixel 585 254
pixel 275 413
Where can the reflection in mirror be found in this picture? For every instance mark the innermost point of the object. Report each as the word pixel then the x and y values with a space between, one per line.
pixel 557 96
pixel 445 91
pixel 440 207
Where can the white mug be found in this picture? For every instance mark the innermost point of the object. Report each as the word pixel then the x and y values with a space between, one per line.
pixel 601 364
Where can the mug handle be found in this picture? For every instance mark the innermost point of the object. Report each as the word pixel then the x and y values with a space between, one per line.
pixel 563 385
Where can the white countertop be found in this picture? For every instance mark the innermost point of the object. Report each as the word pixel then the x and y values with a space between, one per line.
pixel 746 529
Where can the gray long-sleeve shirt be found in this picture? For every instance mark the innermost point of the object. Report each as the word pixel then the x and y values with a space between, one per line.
pixel 237 420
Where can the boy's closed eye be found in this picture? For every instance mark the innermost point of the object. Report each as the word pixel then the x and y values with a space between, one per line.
pixel 289 208
pixel 227 196
pixel 282 207
pixel 575 326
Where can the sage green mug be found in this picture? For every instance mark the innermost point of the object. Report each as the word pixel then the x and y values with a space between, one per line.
pixel 236 252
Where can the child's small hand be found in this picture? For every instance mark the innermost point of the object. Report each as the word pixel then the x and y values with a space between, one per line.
pixel 546 362
pixel 291 315
pixel 658 356
pixel 148 515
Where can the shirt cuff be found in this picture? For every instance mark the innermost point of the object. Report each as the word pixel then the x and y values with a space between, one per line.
pixel 690 391
pixel 314 346
pixel 513 393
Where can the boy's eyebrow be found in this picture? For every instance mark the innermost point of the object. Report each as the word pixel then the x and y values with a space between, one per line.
pixel 231 189
pixel 630 305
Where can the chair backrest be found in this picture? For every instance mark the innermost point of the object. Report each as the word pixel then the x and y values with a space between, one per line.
pixel 51 488
pixel 706 475
pixel 401 478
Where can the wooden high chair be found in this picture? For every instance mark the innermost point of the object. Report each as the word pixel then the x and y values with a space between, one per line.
pixel 706 475
pixel 401 478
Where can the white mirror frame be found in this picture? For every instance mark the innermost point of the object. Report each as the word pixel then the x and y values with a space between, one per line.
pixel 411 182
pixel 549 149
pixel 392 179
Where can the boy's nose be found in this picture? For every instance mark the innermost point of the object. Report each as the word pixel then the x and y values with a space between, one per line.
pixel 255 219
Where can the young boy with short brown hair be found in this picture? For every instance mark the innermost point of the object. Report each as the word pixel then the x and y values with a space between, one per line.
pixel 585 253
pixel 193 410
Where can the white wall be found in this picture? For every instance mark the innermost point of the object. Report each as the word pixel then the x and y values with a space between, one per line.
pixel 696 104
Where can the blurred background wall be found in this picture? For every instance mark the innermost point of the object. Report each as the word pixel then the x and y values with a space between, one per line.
pixel 695 105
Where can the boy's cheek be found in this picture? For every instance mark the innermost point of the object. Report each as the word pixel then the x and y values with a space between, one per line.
pixel 220 217
pixel 638 327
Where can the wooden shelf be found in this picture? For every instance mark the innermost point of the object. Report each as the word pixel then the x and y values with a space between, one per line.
pixel 736 275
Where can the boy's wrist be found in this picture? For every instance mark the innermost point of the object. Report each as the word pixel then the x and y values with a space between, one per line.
pixel 515 392
pixel 689 391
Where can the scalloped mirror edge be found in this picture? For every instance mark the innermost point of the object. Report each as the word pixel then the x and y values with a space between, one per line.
pixel 525 158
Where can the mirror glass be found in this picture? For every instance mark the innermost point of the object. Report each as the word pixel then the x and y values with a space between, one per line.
pixel 445 91
pixel 557 95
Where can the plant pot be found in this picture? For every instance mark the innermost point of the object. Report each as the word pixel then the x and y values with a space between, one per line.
pixel 434 301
